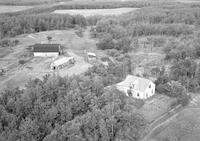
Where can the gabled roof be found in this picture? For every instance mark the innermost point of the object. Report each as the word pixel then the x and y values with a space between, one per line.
pixel 46 48
pixel 140 83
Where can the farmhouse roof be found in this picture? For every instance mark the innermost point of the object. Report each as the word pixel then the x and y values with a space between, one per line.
pixel 141 85
pixel 46 48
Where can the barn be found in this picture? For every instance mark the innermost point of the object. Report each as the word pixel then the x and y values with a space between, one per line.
pixel 137 87
pixel 47 50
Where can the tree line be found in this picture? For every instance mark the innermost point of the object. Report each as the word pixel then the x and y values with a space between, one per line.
pixel 12 26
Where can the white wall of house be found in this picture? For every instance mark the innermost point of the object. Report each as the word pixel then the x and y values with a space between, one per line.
pixel 150 91
pixel 46 54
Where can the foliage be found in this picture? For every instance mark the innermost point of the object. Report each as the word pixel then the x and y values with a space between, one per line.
pixel 8 43
pixel 70 108
pixel 12 26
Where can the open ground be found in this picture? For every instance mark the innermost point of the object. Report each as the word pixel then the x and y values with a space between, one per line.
pixel 18 75
pixel 6 9
pixel 92 12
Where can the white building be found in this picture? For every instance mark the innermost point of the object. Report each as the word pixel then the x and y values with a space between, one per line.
pixel 137 87
pixel 47 50
pixel 62 62
pixel 91 56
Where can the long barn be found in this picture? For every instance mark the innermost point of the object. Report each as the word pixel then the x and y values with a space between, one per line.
pixel 47 50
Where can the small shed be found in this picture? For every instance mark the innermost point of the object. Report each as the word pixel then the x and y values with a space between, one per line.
pixel 91 57
pixel 47 50
pixel 62 62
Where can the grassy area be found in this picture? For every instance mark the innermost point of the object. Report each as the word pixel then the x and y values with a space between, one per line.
pixel 185 127
pixel 155 107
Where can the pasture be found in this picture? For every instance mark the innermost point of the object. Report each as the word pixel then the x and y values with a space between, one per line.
pixel 10 9
pixel 92 12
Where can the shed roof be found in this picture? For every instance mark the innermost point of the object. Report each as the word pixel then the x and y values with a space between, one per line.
pixel 141 85
pixel 46 48
pixel 91 54
pixel 61 61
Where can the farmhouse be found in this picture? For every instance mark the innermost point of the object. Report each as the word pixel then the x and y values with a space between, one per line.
pixel 137 87
pixel 47 50
pixel 62 62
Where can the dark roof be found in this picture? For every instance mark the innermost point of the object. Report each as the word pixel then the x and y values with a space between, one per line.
pixel 46 48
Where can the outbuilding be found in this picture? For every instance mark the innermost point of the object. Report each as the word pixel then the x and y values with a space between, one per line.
pixel 47 50
pixel 62 62
pixel 137 87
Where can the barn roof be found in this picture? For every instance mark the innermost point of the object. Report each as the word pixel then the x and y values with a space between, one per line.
pixel 141 85
pixel 46 48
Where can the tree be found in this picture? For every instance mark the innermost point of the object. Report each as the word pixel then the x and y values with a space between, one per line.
pixel 106 42
pixel 49 38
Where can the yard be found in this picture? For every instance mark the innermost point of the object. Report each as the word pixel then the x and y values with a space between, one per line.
pixel 18 75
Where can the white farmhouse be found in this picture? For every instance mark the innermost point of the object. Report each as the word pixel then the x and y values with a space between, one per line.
pixel 47 50
pixel 137 87
pixel 62 62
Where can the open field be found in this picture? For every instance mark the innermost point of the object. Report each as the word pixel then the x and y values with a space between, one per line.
pixel 92 12
pixel 6 9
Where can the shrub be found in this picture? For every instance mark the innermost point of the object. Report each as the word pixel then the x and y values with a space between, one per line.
pixel 22 62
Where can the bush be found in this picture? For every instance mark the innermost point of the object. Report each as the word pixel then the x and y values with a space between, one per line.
pixel 139 103
pixel 22 62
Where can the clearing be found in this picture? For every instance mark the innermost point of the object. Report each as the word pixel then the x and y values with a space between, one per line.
pixel 18 75
pixel 92 12
pixel 10 9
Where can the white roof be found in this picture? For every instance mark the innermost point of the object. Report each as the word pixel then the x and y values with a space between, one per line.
pixel 91 54
pixel 141 85
pixel 61 61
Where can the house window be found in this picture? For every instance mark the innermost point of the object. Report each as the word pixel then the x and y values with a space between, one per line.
pixel 146 94
pixel 138 94
pixel 149 86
